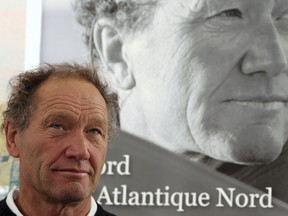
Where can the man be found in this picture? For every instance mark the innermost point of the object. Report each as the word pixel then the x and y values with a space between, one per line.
pixel 58 121
pixel 203 78
pixel 217 69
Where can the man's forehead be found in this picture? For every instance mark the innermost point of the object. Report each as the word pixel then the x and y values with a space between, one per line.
pixel 70 90
pixel 57 85
pixel 72 107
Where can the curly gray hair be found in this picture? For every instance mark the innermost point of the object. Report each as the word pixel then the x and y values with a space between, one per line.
pixel 23 100
pixel 127 15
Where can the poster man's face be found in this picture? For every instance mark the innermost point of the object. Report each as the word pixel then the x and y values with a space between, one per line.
pixel 211 76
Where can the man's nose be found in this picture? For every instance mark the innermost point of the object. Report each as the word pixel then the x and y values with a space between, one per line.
pixel 265 55
pixel 78 147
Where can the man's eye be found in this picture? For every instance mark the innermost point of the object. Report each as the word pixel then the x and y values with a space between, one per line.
pixel 231 13
pixel 57 126
pixel 95 131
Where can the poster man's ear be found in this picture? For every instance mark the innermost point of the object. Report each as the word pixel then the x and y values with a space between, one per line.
pixel 110 48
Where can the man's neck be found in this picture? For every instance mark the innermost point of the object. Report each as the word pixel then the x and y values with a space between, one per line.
pixel 37 206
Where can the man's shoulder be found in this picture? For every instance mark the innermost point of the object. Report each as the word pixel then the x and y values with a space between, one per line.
pixel 4 209
pixel 102 212
pixel 2 203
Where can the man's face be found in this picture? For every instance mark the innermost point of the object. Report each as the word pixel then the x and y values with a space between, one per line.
pixel 64 147
pixel 211 77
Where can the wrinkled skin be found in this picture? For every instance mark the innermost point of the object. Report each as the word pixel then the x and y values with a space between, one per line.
pixel 211 77
pixel 62 150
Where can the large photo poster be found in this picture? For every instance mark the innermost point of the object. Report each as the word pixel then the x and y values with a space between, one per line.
pixel 203 95
pixel 194 80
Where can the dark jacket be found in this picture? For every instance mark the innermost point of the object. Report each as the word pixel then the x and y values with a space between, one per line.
pixel 6 211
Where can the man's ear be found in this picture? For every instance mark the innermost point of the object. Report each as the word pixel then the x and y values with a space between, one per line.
pixel 12 135
pixel 112 53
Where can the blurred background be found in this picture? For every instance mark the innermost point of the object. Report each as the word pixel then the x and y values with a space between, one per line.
pixel 12 51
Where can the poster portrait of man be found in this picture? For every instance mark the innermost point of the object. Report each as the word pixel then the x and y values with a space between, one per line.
pixel 204 79
pixel 198 76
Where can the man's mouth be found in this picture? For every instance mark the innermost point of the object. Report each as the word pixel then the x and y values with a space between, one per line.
pixel 72 171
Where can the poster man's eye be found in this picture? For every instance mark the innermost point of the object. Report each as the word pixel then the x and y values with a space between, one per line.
pixel 283 16
pixel 231 13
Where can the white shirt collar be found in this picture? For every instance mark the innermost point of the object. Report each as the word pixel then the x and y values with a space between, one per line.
pixel 93 208
pixel 13 194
